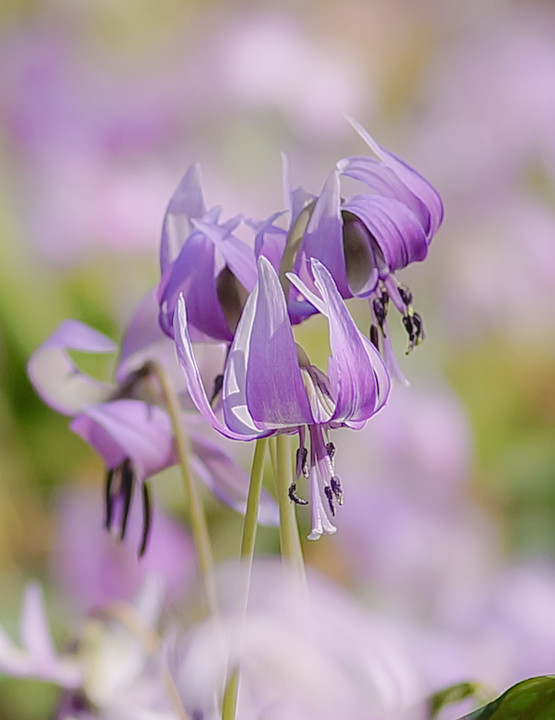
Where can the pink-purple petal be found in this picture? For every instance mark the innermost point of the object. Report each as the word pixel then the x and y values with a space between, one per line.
pixel 397 231
pixel 129 429
pixel 238 256
pixel 324 235
pixel 195 386
pixel 275 392
pixel 186 203
pixel 55 376
pixel 420 187
pixel 357 364
pixel 194 274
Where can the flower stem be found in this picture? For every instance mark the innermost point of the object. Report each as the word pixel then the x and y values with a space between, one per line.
pixel 196 511
pixel 250 522
pixel 251 516
pixel 288 529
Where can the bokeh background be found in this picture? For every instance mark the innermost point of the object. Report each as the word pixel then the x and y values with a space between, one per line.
pixel 449 519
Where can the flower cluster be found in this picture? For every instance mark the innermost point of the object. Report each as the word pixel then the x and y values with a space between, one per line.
pixel 215 287
pixel 310 258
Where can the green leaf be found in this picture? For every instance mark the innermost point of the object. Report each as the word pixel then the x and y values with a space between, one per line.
pixel 452 694
pixel 532 699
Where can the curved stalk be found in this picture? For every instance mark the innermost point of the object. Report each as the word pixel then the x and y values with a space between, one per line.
pixel 246 554
pixel 196 512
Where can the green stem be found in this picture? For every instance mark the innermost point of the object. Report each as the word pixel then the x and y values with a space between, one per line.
pixel 253 501
pixel 250 522
pixel 196 511
pixel 288 529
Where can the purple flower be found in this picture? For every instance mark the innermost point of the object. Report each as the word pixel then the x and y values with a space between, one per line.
pixel 365 239
pixel 37 657
pixel 270 386
pixel 123 420
pixel 202 258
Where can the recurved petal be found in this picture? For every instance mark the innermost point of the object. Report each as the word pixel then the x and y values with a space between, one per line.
pixel 186 203
pixel 363 381
pixel 55 376
pixel 358 378
pixel 129 429
pixel 418 185
pixel 395 228
pixel 238 431
pixel 275 393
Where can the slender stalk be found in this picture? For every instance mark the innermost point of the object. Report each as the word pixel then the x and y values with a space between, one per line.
pixel 288 529
pixel 250 522
pixel 253 501
pixel 196 511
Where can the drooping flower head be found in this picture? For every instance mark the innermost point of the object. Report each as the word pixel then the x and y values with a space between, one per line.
pixel 364 239
pixel 270 385
pixel 125 421
pixel 202 258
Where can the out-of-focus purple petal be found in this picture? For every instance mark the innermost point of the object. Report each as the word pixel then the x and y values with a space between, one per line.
pixel 57 379
pixel 38 658
pixel 143 339
pixel 128 429
pixel 186 203
pixel 194 383
pixel 34 631
pixel 418 186
pixel 93 568
pixel 275 392
pixel 228 481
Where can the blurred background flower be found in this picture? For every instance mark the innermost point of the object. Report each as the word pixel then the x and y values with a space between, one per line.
pixel 449 514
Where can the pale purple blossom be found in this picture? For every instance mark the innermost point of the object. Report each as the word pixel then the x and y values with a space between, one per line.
pixel 125 423
pixel 270 385
pixel 36 657
pixel 365 239
pixel 202 259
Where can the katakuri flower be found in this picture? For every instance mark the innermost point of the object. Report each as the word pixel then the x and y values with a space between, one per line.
pixel 363 240
pixel 124 422
pixel 270 385
pixel 204 260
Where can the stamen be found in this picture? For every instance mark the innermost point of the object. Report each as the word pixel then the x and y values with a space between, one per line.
pixel 329 495
pixel 374 337
pixel 337 489
pixel 301 463
pixel 147 519
pixel 414 326
pixel 385 300
pixel 294 497
pixel 406 294
pixel 330 449
pixel 218 385
pixel 127 478
pixel 108 499
pixel 379 311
